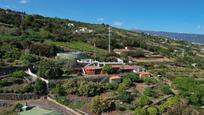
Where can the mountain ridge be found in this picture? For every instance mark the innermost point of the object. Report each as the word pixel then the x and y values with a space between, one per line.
pixel 190 37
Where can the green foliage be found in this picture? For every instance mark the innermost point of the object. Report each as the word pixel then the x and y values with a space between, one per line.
pixel 8 51
pixel 18 74
pixel 70 86
pixel 125 97
pixel 202 100
pixel 190 89
pixel 133 77
pixel 82 46
pixel 49 69
pixel 100 104
pixel 166 89
pixel 121 88
pixel 40 87
pixel 194 99
pixel 110 86
pixel 28 88
pixel 5 83
pixel 162 108
pixel 140 111
pixel 152 111
pixel 150 92
pixel 127 82
pixel 89 88
pixel 41 49
pixel 62 100
pixel 28 59
pixel 143 101
pixel 107 69
pixel 58 90
pixel 83 88
pixel 150 80
pixel 171 102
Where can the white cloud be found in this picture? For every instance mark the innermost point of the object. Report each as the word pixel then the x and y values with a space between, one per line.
pixel 117 23
pixel 23 1
pixel 100 19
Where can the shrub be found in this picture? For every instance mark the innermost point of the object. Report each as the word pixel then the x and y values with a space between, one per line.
pixel 162 108
pixel 121 88
pixel 62 100
pixel 107 69
pixel 58 90
pixel 70 86
pixel 133 77
pixel 101 104
pixel 140 111
pixel 152 111
pixel 150 92
pixel 166 89
pixel 17 74
pixel 194 99
pixel 28 59
pixel 127 82
pixel 89 88
pixel 110 86
pixel 49 69
pixel 143 101
pixel 40 87
pixel 125 97
pixel 121 108
pixel 202 100
pixel 171 102
pixel 149 81
pixel 28 88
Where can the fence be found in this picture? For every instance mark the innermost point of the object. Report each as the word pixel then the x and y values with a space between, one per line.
pixel 7 96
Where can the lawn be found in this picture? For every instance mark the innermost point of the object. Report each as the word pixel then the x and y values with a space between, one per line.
pixel 81 46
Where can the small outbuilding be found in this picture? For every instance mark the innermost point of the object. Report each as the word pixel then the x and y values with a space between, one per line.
pixel 115 79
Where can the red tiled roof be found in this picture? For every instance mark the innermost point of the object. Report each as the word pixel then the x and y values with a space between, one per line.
pixel 115 77
pixel 92 67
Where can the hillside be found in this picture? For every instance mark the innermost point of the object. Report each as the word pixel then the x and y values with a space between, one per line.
pixel 194 38
pixel 17 28
pixel 143 74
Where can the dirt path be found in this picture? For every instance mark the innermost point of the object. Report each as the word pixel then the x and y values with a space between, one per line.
pixel 140 87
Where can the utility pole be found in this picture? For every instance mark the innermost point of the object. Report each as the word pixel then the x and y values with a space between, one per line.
pixel 109 40
pixel 94 49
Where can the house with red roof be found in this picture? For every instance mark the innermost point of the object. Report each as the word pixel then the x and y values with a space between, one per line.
pixel 93 70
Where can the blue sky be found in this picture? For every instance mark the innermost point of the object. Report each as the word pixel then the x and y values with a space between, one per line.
pixel 159 15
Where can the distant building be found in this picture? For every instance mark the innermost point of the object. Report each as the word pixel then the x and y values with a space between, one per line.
pixel 84 30
pixel 70 25
pixel 115 79
pixel 144 74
